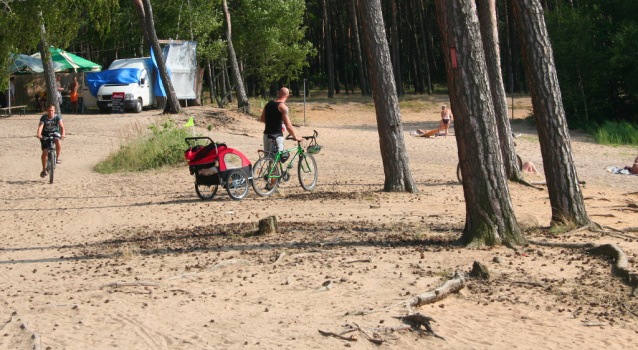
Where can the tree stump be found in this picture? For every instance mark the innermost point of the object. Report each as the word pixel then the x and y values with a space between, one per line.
pixel 268 225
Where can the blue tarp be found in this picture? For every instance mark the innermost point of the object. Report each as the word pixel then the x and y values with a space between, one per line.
pixel 114 76
pixel 159 86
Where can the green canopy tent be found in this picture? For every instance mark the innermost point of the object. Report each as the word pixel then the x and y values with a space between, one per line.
pixel 71 62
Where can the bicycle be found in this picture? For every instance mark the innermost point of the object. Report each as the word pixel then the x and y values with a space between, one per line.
pixel 268 171
pixel 52 156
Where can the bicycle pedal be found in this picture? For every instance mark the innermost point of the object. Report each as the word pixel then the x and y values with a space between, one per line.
pixel 286 176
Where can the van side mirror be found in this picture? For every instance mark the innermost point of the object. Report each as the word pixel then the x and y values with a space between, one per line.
pixel 143 81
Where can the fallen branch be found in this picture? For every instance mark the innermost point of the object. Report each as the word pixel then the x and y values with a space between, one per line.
pixel 390 329
pixel 527 183
pixel 429 297
pixel 593 324
pixel 627 209
pixel 628 193
pixel 630 205
pixel 327 285
pixel 336 240
pixel 339 336
pixel 368 259
pixel 370 339
pixel 586 227
pixel 281 256
pixel 562 245
pixel 418 320
pixel 119 284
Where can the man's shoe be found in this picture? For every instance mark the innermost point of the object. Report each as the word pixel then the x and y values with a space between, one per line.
pixel 43 174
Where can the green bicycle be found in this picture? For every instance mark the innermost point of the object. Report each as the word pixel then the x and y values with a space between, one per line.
pixel 269 170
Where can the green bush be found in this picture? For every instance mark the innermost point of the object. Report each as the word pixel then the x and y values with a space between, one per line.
pixel 162 144
pixel 614 133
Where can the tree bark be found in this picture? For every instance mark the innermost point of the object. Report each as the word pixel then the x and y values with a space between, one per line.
pixel 398 176
pixel 425 47
pixel 565 195
pixel 328 39
pixel 357 45
pixel 49 70
pixel 141 16
pixel 489 34
pixel 490 216
pixel 395 50
pixel 172 105
pixel 242 99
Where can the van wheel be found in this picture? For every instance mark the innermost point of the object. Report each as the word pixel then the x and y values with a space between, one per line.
pixel 138 106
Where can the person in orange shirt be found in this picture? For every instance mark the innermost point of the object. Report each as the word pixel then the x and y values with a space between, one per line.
pixel 73 88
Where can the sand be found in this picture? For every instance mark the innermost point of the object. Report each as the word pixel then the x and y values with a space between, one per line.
pixel 65 245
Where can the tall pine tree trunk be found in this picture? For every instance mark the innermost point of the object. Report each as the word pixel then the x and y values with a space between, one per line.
pixel 357 45
pixel 558 162
pixel 172 105
pixel 489 33
pixel 242 99
pixel 396 166
pixel 49 70
pixel 425 47
pixel 396 52
pixel 328 40
pixel 490 216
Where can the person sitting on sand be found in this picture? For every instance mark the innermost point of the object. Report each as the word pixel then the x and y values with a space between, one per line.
pixel 528 167
pixel 634 168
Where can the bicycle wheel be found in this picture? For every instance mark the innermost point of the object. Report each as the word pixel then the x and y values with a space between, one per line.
pixel 519 161
pixel 237 184
pixel 51 159
pixel 307 170
pixel 263 171
pixel 205 192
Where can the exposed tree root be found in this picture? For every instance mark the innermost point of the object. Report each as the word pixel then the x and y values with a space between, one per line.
pixel 527 183
pixel 429 297
pixel 417 320
pixel 339 335
pixel 620 263
pixel 368 259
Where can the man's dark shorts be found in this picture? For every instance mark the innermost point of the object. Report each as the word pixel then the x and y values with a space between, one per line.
pixel 45 143
pixel 446 121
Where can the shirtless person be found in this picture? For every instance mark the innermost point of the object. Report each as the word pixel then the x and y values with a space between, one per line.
pixel 73 89
pixel 446 116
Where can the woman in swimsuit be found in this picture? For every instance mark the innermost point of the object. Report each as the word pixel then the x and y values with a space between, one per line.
pixel 446 116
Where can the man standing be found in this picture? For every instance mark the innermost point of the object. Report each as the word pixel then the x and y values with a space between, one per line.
pixel 275 113
pixel 73 89
pixel 58 85
pixel 50 123
pixel 446 116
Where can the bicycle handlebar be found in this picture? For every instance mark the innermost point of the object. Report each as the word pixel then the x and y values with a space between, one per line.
pixel 314 136
pixel 55 136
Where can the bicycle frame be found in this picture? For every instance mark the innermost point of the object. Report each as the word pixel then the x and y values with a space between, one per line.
pixel 299 150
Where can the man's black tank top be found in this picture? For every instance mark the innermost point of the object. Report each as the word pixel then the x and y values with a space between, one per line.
pixel 273 119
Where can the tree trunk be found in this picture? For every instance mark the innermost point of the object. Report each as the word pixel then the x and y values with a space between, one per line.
pixel 49 70
pixel 425 48
pixel 562 181
pixel 242 99
pixel 357 45
pixel 490 216
pixel 228 86
pixel 223 82
pixel 199 83
pixel 489 34
pixel 396 166
pixel 141 16
pixel 172 104
pixel 327 36
pixel 395 50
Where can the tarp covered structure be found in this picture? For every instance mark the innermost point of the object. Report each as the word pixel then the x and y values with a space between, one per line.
pixel 181 63
pixel 71 62
pixel 113 76
pixel 24 64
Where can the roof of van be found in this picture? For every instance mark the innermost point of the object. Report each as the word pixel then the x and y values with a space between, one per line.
pixel 140 62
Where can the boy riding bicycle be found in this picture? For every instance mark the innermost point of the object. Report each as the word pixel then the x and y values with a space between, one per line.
pixel 50 123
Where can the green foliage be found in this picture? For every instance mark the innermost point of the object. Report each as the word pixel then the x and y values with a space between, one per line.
pixel 596 53
pixel 268 36
pixel 162 144
pixel 614 133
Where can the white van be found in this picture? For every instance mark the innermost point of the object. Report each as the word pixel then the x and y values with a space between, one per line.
pixel 138 95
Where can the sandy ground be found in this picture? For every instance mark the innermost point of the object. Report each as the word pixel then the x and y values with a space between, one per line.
pixel 63 244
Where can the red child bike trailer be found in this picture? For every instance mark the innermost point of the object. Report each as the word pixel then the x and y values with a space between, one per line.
pixel 215 164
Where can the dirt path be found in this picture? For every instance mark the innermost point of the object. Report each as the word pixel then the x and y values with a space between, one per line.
pixel 61 242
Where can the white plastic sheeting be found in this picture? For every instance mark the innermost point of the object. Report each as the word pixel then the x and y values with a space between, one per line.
pixel 181 60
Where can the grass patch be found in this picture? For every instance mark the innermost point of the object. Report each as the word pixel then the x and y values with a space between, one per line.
pixel 614 133
pixel 161 144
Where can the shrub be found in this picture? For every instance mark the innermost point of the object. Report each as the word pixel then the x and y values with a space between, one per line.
pixel 614 133
pixel 160 145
